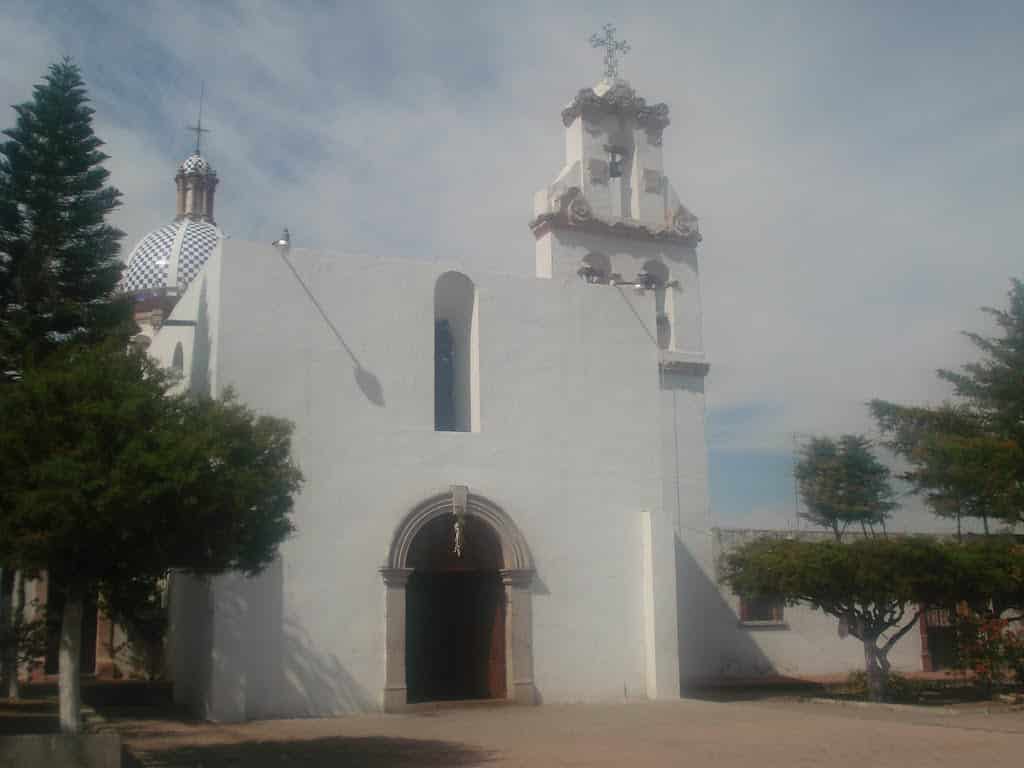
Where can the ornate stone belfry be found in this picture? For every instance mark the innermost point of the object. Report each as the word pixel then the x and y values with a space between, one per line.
pixel 612 216
pixel 613 179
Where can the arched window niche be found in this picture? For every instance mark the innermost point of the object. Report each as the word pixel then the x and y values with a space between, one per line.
pixel 658 275
pixel 456 354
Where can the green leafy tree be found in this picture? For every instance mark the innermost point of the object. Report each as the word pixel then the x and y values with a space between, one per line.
pixel 107 482
pixel 842 484
pixel 967 457
pixel 22 639
pixel 991 647
pixel 59 265
pixel 875 587
pixel 994 386
pixel 989 572
pixel 137 605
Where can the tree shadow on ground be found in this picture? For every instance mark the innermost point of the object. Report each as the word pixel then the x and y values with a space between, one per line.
pixel 366 751
pixel 28 717
pixel 774 688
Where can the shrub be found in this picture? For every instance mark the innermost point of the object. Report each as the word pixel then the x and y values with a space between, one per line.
pixel 989 647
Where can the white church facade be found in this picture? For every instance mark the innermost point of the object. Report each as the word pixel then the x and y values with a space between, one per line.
pixel 506 489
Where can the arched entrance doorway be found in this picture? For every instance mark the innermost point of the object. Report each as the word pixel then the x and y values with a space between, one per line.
pixel 455 615
pixel 458 626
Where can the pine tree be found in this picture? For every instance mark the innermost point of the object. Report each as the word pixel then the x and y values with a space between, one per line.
pixel 967 457
pixel 995 385
pixel 59 265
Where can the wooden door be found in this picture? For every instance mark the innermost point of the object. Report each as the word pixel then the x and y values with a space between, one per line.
pixel 496 675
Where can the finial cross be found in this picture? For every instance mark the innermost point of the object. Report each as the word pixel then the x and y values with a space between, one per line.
pixel 198 127
pixel 612 49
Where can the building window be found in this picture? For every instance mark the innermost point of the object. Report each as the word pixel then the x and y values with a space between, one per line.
pixel 444 377
pixel 178 361
pixel 762 610
pixel 456 354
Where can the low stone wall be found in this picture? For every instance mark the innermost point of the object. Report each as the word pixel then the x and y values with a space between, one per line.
pixel 99 750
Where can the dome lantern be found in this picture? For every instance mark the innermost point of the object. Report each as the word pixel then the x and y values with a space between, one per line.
pixel 196 181
pixel 164 262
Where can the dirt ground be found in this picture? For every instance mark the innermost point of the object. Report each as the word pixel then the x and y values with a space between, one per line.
pixel 778 732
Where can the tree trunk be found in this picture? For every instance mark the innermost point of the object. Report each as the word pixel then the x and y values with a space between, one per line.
pixel 70 685
pixel 111 650
pixel 7 661
pixel 876 665
pixel 15 618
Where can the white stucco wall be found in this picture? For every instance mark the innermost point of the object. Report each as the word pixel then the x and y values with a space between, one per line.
pixel 570 446
pixel 560 253
pixel 191 324
pixel 585 433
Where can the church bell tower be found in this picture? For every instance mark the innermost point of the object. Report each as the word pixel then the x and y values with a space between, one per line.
pixel 612 222
pixel 612 217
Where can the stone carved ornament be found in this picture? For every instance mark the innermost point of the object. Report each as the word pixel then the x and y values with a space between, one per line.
pixel 579 211
pixel 684 223
pixel 571 209
pixel 620 99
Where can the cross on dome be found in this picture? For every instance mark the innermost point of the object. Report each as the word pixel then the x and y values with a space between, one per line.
pixel 612 49
pixel 198 127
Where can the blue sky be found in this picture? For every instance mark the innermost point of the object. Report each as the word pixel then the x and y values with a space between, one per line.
pixel 857 167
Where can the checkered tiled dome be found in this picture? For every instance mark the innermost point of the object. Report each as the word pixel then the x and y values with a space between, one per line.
pixel 186 243
pixel 195 164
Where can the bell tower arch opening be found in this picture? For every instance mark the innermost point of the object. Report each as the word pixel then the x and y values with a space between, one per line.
pixel 457 605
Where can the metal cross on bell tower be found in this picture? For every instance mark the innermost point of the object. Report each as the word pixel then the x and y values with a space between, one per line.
pixel 612 49
pixel 198 127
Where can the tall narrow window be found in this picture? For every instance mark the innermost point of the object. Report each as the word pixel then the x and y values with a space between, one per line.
pixel 456 355
pixel 178 361
pixel 444 377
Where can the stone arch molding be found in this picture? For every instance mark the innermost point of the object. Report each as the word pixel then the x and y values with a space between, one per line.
pixel 514 551
pixel 516 574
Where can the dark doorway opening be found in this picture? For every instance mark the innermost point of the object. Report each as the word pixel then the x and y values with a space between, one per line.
pixel 940 639
pixel 456 639
pixel 942 647
pixel 455 615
